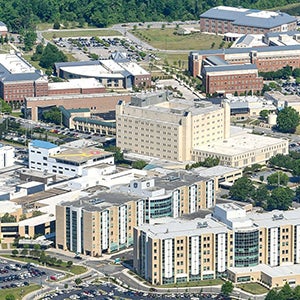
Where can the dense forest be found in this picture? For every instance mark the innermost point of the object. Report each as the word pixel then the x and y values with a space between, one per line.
pixel 22 15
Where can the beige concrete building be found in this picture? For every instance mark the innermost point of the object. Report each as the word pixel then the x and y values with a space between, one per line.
pixel 158 125
pixel 103 221
pixel 169 129
pixel 245 247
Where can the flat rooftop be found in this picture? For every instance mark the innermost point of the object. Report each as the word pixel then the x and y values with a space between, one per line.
pixel 275 218
pixel 215 171
pixel 99 198
pixel 240 144
pixel 15 64
pixel 180 107
pixel 26 200
pixel 82 83
pixel 95 71
pixel 134 68
pixel 81 155
pixel 8 206
pixel 72 97
pixel 177 179
pixel 280 271
pixel 180 227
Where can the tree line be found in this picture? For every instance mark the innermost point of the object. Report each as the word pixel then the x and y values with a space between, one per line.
pixel 273 195
pixel 22 15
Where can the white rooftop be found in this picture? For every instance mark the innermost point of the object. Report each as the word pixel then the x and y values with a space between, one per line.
pixel 214 171
pixel 134 68
pixel 15 64
pixel 276 218
pixel 179 227
pixel 285 270
pixel 237 9
pixel 8 207
pixel 263 14
pixel 240 143
pixel 75 83
pixel 91 71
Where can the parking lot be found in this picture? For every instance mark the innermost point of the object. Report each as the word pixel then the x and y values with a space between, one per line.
pixel 110 291
pixel 14 275
pixel 290 88
pixel 103 47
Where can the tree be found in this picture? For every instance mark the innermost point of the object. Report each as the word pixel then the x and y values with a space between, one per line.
pixel 287 120
pixel 36 213
pixel 29 39
pixel 281 198
pixel 7 218
pixel 51 55
pixel 264 114
pixel 5 107
pixel 78 281
pixel 10 297
pixel 272 295
pixel 278 178
pixel 53 115
pixel 243 189
pixel 14 252
pixel 140 164
pixel 262 195
pixel 227 288
pixel 24 251
pixel 56 25
pixel 69 263
pixel 286 292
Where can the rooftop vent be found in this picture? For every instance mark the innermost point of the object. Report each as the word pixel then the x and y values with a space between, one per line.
pixel 202 225
pixel 96 201
pixel 277 217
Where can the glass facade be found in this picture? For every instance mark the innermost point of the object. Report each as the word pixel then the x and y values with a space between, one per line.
pixel 246 248
pixel 159 208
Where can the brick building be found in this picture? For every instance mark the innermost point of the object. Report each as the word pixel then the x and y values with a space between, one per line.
pixel 224 19
pixel 19 79
pixel 97 103
pixel 113 74
pixel 231 78
pixel 264 59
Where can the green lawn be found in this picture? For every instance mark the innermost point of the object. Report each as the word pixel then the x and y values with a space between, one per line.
pixel 173 59
pixel 80 33
pixel 253 288
pixel 209 282
pixel 166 39
pixel 19 292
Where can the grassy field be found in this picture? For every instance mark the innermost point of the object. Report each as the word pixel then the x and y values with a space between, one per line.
pixel 75 269
pixel 166 39
pixel 80 33
pixel 19 292
pixel 253 288
pixel 173 59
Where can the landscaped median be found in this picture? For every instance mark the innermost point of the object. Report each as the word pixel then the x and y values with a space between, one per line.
pixel 64 266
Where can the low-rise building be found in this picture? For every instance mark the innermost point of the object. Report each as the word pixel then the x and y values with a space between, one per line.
pixel 63 160
pixel 113 74
pixel 224 19
pixel 245 247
